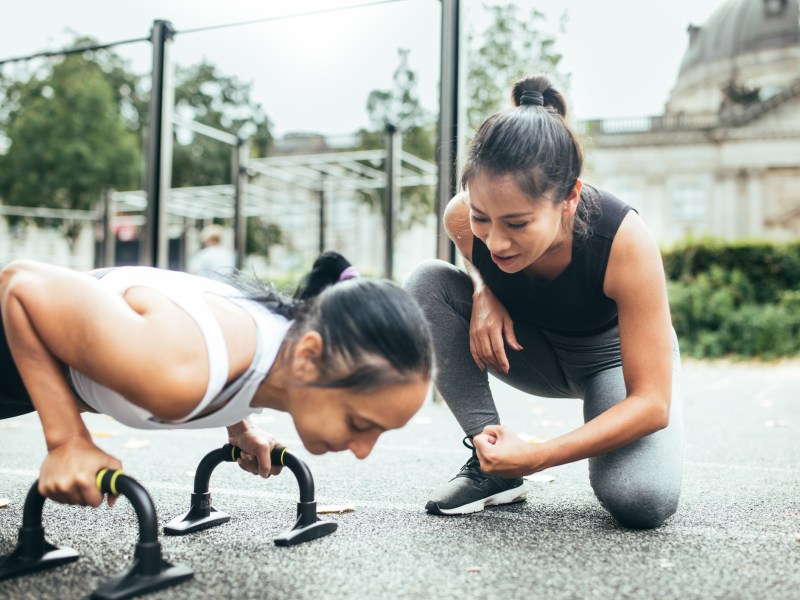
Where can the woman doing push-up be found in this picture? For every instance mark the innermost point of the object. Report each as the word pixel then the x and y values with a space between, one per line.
pixel 348 359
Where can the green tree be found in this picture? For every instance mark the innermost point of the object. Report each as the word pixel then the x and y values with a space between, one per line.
pixel 510 47
pixel 204 95
pixel 400 106
pixel 261 235
pixel 67 140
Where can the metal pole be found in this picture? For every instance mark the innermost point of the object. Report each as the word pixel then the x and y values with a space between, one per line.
pixel 237 176
pixel 183 254
pixel 447 160
pixel 109 238
pixel 322 216
pixel 159 158
pixel 391 197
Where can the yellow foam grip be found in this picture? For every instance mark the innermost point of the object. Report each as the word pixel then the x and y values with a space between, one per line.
pixel 282 453
pixel 98 481
pixel 113 484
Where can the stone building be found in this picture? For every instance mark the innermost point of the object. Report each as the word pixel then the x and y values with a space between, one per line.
pixel 724 158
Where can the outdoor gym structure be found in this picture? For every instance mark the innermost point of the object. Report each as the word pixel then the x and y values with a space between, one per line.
pixel 153 250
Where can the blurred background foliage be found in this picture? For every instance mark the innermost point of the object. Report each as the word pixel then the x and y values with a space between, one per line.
pixel 737 300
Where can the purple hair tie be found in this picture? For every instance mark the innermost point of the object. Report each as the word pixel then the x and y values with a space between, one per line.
pixel 349 273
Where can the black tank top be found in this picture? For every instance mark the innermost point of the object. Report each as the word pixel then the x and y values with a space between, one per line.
pixel 573 303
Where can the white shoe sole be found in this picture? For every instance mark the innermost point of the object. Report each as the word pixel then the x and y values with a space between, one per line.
pixel 517 494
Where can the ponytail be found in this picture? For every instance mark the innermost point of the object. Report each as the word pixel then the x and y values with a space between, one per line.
pixel 329 268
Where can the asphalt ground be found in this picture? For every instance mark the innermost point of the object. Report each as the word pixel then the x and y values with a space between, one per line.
pixel 736 533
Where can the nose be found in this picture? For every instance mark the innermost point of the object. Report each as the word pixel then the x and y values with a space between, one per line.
pixel 362 445
pixel 496 241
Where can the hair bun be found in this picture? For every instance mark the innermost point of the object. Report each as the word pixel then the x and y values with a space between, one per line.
pixel 327 270
pixel 531 98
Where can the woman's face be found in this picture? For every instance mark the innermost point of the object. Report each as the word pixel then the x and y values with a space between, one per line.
pixel 332 420
pixel 519 232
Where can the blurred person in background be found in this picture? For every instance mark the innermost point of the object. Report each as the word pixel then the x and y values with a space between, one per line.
pixel 213 260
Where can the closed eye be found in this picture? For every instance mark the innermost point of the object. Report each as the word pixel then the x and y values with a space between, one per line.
pixel 359 428
pixel 516 225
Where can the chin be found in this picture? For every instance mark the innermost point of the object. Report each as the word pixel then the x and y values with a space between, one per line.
pixel 513 269
pixel 315 448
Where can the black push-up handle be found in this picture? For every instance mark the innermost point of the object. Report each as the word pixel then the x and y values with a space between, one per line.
pixel 202 515
pixel 149 572
pixel 33 552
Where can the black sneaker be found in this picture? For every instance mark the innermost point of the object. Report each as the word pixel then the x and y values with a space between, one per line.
pixel 472 490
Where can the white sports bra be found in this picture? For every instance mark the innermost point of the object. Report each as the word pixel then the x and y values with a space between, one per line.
pixel 187 292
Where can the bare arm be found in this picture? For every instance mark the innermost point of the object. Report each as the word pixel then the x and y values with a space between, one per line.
pixel 635 280
pixel 490 325
pixel 54 317
pixel 143 345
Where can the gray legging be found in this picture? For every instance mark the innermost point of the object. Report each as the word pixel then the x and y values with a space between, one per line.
pixel 638 484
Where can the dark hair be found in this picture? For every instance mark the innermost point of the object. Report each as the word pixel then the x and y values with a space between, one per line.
pixel 374 333
pixel 533 143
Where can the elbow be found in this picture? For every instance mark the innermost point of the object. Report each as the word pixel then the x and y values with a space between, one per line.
pixel 659 414
pixel 12 277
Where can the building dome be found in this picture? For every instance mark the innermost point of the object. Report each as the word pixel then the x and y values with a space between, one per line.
pixel 749 46
pixel 742 27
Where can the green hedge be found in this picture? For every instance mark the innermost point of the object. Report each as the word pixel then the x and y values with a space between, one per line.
pixel 735 299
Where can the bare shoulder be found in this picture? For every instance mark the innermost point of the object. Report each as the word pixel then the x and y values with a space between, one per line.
pixel 635 258
pixel 456 223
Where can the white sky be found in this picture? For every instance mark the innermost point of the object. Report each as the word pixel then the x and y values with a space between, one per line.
pixel 314 73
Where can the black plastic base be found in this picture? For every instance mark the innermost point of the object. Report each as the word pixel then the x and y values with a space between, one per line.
pixel 187 523
pixel 131 583
pixel 298 535
pixel 15 564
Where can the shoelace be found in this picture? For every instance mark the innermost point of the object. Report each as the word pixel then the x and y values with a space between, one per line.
pixel 472 468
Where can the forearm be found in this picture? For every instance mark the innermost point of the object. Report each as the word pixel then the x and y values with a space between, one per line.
pixel 478 284
pixel 630 420
pixel 43 376
pixel 237 429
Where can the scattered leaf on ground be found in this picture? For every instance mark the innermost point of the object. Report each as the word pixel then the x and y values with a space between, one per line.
pixel 539 478
pixel 135 444
pixel 474 570
pixel 4 502
pixel 533 439
pixel 337 509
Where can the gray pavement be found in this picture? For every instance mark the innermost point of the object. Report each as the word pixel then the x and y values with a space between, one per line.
pixel 735 534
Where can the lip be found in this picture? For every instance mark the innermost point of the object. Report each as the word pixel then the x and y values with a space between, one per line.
pixel 504 261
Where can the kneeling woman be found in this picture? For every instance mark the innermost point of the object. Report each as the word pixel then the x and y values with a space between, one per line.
pixel 564 295
pixel 348 359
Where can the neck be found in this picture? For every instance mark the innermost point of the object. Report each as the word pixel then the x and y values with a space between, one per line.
pixel 275 389
pixel 555 259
